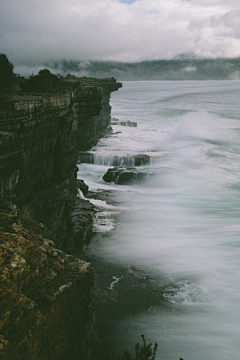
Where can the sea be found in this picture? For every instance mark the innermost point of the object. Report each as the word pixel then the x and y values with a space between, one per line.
pixel 166 247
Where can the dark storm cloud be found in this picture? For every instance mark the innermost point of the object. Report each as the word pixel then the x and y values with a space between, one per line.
pixel 33 32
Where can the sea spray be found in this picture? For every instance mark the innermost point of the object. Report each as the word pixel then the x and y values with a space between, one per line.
pixel 175 240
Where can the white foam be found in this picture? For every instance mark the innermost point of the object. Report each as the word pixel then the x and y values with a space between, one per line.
pixel 182 224
pixel 114 282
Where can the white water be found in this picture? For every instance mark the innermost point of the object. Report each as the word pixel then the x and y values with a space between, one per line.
pixel 179 231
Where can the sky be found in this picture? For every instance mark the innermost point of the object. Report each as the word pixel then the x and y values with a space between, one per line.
pixel 34 32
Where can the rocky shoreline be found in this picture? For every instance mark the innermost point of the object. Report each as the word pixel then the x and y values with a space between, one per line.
pixel 45 298
pixel 46 310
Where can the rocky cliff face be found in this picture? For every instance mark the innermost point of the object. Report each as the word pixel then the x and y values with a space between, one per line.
pixel 45 302
pixel 46 292
pixel 40 138
pixel 97 126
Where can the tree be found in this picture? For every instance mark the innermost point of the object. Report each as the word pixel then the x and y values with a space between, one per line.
pixel 6 74
pixel 44 81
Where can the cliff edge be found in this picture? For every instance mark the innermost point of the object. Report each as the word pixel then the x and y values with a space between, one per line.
pixel 45 303
pixel 40 137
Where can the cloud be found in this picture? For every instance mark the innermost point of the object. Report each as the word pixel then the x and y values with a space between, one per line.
pixel 34 32
pixel 190 69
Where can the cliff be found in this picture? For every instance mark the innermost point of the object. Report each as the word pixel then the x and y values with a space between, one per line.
pixel 45 304
pixel 40 138
pixel 97 125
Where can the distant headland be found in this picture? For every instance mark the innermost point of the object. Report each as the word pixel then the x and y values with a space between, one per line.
pixel 179 68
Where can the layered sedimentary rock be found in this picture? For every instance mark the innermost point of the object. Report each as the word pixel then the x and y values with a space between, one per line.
pixel 124 123
pixel 97 125
pixel 41 136
pixel 45 304
pixel 126 161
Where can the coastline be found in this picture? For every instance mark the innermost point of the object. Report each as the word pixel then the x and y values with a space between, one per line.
pixel 40 139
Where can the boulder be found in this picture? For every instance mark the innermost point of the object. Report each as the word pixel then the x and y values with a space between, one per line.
pixel 82 186
pixel 124 176
pixel 125 123
pixel 141 160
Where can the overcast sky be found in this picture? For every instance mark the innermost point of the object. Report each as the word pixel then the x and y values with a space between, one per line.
pixel 33 31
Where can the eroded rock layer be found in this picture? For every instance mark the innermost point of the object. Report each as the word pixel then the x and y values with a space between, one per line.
pixel 41 136
pixel 45 305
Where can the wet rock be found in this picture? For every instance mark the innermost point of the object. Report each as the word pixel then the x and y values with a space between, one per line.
pixel 141 160
pixel 125 123
pixel 81 220
pixel 82 186
pixel 109 160
pixel 124 176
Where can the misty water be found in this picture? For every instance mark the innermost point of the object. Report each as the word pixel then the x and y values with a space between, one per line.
pixel 167 249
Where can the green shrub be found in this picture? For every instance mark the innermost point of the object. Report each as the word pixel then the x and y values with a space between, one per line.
pixel 142 352
pixel 44 81
pixel 6 74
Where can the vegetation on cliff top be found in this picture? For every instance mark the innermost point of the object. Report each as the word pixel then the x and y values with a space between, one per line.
pixel 44 81
pixel 6 74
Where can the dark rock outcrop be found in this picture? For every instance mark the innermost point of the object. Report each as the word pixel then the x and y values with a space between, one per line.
pixel 141 160
pixel 81 224
pixel 45 299
pixel 10 157
pixel 124 176
pixel 125 123
pixel 127 161
pixel 96 126
pixel 82 186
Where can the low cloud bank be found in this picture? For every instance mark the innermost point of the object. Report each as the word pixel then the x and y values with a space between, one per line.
pixel 33 33
pixel 175 69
